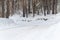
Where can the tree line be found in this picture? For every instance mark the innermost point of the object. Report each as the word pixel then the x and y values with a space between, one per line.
pixel 33 7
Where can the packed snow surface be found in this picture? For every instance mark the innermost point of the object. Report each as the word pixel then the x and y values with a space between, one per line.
pixel 19 28
pixel 31 33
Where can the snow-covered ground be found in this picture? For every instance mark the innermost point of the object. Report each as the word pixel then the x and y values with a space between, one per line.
pixel 32 33
pixel 19 28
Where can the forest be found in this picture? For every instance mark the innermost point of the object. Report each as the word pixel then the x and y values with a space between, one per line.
pixel 27 7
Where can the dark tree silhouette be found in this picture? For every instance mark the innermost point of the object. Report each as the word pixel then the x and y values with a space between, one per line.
pixel 3 9
pixel 8 11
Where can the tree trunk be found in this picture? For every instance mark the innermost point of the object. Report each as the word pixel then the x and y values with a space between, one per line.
pixel 8 11
pixel 53 6
pixel 33 3
pixel 23 8
pixel 12 6
pixel 29 6
pixel 3 9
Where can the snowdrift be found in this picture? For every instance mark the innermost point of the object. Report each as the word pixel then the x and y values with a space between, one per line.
pixel 17 21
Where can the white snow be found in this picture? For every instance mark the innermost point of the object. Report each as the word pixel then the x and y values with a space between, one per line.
pixel 31 33
pixel 37 20
pixel 19 28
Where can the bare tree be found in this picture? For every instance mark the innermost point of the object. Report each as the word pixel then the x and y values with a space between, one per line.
pixel 23 8
pixel 29 6
pixel 55 6
pixel 12 6
pixel 48 6
pixel 8 10
pixel 34 5
pixel 3 9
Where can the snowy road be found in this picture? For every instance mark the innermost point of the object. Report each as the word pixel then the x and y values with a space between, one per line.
pixel 26 33
pixel 32 33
